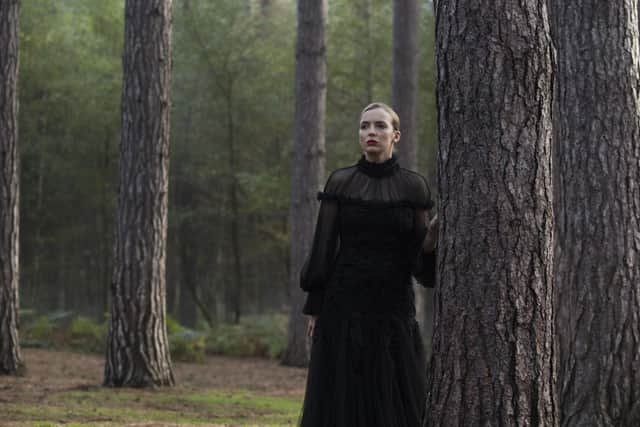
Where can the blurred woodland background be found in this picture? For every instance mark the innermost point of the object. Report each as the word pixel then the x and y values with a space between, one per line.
pixel 231 122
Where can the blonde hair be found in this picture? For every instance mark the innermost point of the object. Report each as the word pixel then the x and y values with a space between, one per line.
pixel 395 120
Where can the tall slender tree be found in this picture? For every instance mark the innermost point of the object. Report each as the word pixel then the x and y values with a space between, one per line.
pixel 404 85
pixel 137 346
pixel 597 169
pixel 404 95
pixel 308 160
pixel 10 358
pixel 492 358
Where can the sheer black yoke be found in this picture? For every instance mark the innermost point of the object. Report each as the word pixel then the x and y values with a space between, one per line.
pixel 371 225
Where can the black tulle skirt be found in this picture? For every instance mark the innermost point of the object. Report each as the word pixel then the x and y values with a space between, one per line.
pixel 365 370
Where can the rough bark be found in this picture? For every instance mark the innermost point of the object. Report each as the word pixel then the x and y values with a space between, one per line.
pixel 308 160
pixel 492 360
pixel 404 85
pixel 137 346
pixel 597 168
pixel 10 358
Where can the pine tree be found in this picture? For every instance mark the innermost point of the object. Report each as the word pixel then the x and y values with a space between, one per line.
pixel 308 160
pixel 137 346
pixel 10 357
pixel 597 205
pixel 492 358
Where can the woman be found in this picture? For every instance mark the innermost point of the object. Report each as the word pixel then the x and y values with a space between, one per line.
pixel 367 358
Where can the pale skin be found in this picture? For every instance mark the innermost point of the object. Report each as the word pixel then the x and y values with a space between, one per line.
pixel 377 139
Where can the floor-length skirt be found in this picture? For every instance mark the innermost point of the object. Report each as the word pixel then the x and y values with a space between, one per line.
pixel 365 370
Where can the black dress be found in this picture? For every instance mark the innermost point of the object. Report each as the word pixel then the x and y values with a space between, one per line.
pixel 367 357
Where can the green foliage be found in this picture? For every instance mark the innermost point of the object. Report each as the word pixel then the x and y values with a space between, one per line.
pixel 232 97
pixel 64 330
pixel 188 346
pixel 259 336
pixel 87 335
pixel 173 326
pixel 256 336
pixel 70 79
pixel 185 345
pixel 37 333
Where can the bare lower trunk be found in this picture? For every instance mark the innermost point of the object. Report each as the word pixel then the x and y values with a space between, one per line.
pixel 137 346
pixel 597 203
pixel 307 166
pixel 10 358
pixel 492 361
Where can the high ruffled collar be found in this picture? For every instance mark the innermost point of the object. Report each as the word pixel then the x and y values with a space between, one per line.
pixel 378 170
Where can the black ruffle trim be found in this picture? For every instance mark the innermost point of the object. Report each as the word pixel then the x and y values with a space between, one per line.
pixel 373 203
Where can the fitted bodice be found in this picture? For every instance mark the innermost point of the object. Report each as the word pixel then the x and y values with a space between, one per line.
pixel 377 239
pixel 368 240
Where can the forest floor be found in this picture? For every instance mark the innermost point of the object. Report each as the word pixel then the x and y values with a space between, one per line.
pixel 64 388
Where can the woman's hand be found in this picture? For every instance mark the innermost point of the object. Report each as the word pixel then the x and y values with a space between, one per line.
pixel 311 325
pixel 431 239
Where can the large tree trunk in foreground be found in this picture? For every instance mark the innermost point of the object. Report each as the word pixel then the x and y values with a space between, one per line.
pixel 137 347
pixel 10 359
pixel 307 162
pixel 597 169
pixel 492 360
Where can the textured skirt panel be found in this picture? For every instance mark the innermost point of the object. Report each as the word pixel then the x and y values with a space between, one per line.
pixel 365 371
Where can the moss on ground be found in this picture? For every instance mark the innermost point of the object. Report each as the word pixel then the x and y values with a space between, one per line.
pixel 184 407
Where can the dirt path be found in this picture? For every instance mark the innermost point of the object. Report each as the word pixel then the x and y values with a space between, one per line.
pixel 55 371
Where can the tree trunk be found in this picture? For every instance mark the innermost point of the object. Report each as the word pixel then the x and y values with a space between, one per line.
pixel 104 224
pixel 364 49
pixel 597 166
pixel 137 347
pixel 10 358
pixel 492 358
pixel 39 248
pixel 188 282
pixel 404 86
pixel 237 285
pixel 265 5
pixel 308 160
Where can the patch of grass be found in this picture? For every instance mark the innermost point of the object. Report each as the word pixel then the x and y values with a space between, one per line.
pixel 244 400
pixel 101 406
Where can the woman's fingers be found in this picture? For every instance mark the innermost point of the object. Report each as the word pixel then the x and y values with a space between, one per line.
pixel 310 327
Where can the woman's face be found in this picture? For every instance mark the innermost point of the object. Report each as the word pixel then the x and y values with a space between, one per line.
pixel 377 135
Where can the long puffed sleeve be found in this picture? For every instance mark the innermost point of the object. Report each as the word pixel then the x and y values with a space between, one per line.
pixel 425 264
pixel 319 265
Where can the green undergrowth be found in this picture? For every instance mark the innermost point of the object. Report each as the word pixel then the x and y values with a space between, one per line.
pixel 102 406
pixel 253 336
pixel 261 336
